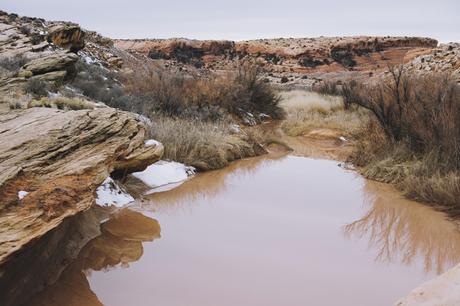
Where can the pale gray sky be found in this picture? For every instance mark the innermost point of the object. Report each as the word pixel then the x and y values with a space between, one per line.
pixel 245 19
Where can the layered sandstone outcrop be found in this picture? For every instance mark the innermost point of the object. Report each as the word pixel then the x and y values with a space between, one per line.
pixel 36 49
pixel 52 161
pixel 286 60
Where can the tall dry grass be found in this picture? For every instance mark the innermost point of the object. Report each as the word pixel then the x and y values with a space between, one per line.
pixel 203 144
pixel 309 110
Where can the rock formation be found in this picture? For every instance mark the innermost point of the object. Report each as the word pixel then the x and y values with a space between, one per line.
pixel 291 61
pixel 59 158
pixel 47 51
pixel 52 160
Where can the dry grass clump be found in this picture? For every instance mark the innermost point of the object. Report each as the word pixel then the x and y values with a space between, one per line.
pixel 414 138
pixel 63 103
pixel 204 145
pixel 424 177
pixel 17 100
pixel 309 110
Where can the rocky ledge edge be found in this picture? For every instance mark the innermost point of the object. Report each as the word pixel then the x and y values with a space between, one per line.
pixel 52 161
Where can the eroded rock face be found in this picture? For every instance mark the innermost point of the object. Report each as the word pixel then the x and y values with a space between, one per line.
pixel 288 61
pixel 59 158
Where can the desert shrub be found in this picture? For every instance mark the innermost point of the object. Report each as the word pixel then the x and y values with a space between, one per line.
pixel 157 54
pixel 423 111
pixel 25 29
pixel 13 63
pixel 272 58
pixel 37 87
pixel 415 138
pixel 310 62
pixel 204 145
pixel 257 94
pixel 98 83
pixel 344 57
pixel 327 87
pixel 153 90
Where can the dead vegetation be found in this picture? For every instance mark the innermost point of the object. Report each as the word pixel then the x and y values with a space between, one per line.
pixel 308 110
pixel 63 103
pixel 413 139
pixel 205 145
pixel 196 118
pixel 155 91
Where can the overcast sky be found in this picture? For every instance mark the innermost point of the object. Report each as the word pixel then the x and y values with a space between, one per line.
pixel 246 19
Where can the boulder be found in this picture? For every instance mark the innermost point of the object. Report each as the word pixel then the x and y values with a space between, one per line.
pixel 59 60
pixel 67 36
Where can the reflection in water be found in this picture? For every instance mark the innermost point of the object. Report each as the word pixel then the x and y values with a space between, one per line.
pixel 252 245
pixel 120 243
pixel 205 185
pixel 402 230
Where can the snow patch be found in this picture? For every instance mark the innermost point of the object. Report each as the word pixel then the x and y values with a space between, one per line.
pixel 22 194
pixel 110 193
pixel 164 173
pixel 151 143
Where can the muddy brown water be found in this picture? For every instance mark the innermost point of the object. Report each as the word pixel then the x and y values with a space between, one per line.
pixel 273 230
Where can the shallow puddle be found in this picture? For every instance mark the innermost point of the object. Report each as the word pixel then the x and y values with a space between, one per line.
pixel 265 231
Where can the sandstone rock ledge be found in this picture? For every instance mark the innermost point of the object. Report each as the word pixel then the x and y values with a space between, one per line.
pixel 59 158
pixel 444 290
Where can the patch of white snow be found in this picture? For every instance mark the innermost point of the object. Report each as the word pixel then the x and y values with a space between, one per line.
pixel 151 143
pixel 164 173
pixel 110 193
pixel 22 194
